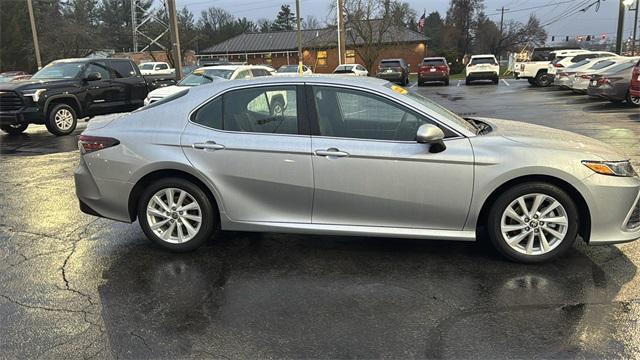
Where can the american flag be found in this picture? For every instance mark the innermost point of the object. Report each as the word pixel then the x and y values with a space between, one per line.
pixel 421 22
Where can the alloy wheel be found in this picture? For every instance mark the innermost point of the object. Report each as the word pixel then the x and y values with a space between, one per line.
pixel 534 224
pixel 64 119
pixel 174 215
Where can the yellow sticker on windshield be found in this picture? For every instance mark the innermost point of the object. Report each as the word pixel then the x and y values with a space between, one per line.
pixel 399 89
pixel 198 72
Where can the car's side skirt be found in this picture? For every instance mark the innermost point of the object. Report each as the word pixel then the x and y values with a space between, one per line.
pixel 330 229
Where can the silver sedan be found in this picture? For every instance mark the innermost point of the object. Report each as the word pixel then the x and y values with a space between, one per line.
pixel 351 156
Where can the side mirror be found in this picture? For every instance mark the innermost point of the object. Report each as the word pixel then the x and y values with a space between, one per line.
pixel 432 135
pixel 94 76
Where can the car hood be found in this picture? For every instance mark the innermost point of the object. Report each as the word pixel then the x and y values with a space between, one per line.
pixel 549 138
pixel 34 84
pixel 166 91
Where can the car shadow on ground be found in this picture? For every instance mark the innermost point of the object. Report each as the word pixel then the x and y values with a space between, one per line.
pixel 274 295
pixel 610 107
pixel 38 143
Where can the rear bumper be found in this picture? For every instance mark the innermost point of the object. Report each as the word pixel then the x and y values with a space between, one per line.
pixel 484 75
pixel 395 76
pixel 605 93
pixel 433 76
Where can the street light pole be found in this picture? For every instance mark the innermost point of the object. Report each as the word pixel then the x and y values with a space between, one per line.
pixel 502 10
pixel 299 37
pixel 175 38
pixel 619 33
pixel 34 33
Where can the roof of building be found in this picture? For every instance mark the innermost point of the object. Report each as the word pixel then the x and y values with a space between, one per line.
pixel 318 38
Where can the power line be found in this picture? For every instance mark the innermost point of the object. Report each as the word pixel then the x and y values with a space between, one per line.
pixel 532 7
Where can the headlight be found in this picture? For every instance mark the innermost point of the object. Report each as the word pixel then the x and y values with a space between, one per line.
pixel 613 168
pixel 34 94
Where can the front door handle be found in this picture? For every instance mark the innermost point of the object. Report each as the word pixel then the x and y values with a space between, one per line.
pixel 209 145
pixel 331 152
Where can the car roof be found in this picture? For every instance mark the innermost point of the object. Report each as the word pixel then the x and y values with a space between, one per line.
pixel 434 58
pixel 483 55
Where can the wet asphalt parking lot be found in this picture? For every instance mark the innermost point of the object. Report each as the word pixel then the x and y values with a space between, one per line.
pixel 75 286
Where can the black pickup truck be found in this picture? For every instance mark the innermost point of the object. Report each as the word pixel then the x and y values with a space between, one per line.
pixel 66 90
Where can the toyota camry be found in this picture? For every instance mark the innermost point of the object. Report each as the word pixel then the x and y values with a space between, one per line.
pixel 351 156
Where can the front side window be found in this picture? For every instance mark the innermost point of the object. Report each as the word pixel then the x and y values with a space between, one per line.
pixel 270 110
pixel 146 66
pixel 98 68
pixel 162 67
pixel 122 69
pixel 356 114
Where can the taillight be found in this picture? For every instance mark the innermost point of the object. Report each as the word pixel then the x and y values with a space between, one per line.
pixel 88 144
pixel 558 65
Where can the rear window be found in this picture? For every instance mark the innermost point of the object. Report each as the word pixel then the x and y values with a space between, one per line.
pixel 602 64
pixel 165 100
pixel 390 63
pixel 540 55
pixel 483 60
pixel 620 67
pixel 578 58
pixel 432 62
pixel 578 64
pixel 123 69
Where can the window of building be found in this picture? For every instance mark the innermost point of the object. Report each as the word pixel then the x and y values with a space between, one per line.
pixel 350 56
pixel 322 57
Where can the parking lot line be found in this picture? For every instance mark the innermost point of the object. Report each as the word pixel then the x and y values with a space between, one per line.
pixel 505 82
pixel 458 85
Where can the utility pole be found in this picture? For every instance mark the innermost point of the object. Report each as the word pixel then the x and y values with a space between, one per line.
pixel 34 33
pixel 299 37
pixel 175 38
pixel 340 22
pixel 619 33
pixel 635 24
pixel 502 10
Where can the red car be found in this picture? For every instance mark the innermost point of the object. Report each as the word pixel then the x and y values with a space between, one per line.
pixel 433 69
pixel 634 86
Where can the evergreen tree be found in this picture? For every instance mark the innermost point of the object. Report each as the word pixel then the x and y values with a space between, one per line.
pixel 286 19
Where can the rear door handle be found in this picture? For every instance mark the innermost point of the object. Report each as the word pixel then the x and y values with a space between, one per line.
pixel 332 152
pixel 209 145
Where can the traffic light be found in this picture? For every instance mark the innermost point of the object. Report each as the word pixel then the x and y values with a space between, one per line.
pixel 553 38
pixel 588 37
pixel 567 39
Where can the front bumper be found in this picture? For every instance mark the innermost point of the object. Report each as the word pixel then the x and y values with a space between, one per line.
pixel 25 115
pixel 614 205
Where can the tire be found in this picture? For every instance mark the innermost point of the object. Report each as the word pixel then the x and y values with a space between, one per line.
pixel 14 129
pixel 467 81
pixel 519 251
pixel 543 79
pixel 633 100
pixel 446 82
pixel 61 120
pixel 173 221
pixel 532 81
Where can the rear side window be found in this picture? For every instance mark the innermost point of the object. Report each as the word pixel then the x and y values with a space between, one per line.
pixel 123 69
pixel 165 100
pixel 602 64
pixel 270 110
pixel 432 62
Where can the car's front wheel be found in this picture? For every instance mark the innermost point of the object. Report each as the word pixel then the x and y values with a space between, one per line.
pixel 533 222
pixel 62 120
pixel 633 100
pixel 15 129
pixel 176 214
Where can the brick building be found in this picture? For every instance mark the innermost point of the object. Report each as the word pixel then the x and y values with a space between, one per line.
pixel 319 48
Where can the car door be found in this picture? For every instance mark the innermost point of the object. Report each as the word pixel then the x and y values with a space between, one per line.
pixel 370 171
pixel 101 94
pixel 258 161
pixel 132 89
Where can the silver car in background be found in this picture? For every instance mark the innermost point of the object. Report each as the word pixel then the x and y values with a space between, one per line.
pixel 351 156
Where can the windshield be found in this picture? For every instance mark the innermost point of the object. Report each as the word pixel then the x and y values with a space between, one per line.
pixel 288 69
pixel 59 70
pixel 438 109
pixel 146 66
pixel 199 76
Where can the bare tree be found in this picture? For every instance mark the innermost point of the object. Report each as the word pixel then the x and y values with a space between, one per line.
pixel 310 22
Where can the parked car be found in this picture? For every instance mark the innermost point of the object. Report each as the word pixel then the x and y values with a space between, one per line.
pixel 581 79
pixel 8 76
pixel 351 69
pixel 206 75
pixel 565 77
pixel 535 69
pixel 482 67
pixel 395 70
pixel 292 70
pixel 634 85
pixel 613 84
pixel 433 69
pixel 218 157
pixel 563 59
pixel 156 68
pixel 68 89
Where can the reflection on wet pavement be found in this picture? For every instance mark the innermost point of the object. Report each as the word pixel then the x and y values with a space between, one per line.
pixel 77 286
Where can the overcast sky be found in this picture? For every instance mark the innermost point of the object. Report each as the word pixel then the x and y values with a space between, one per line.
pixel 582 23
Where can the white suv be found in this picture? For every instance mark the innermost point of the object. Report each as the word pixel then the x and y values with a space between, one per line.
pixel 482 67
pixel 566 58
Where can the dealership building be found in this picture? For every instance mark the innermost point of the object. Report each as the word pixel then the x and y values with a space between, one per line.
pixel 319 47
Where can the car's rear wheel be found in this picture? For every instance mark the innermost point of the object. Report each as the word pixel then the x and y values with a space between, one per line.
pixel 62 120
pixel 543 79
pixel 533 222
pixel 446 82
pixel 467 81
pixel 633 100
pixel 176 214
pixel 15 129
